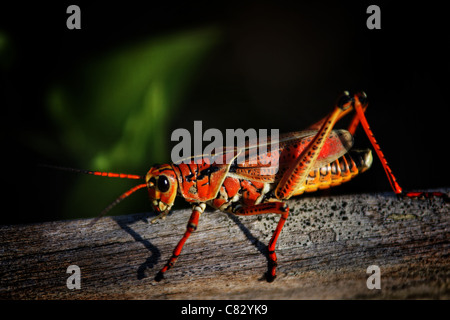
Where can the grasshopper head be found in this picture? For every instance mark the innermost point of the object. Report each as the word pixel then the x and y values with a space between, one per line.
pixel 162 186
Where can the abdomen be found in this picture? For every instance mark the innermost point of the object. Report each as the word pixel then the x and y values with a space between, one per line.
pixel 337 172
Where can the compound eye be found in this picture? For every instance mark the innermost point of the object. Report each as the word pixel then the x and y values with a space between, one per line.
pixel 163 184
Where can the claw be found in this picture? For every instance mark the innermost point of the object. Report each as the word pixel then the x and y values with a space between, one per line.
pixel 162 215
pixel 159 276
pixel 426 195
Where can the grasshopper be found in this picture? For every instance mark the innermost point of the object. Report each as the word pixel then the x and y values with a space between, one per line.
pixel 305 161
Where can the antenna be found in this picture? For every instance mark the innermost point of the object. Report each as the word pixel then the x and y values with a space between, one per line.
pixel 95 173
pixel 109 175
pixel 117 201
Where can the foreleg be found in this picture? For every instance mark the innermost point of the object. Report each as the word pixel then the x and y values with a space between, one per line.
pixel 191 227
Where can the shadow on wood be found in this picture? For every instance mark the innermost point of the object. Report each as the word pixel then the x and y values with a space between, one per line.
pixel 124 222
pixel 324 251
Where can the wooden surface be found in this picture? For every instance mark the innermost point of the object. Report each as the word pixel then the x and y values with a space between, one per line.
pixel 324 250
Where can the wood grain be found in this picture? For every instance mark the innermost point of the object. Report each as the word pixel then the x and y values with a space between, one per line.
pixel 324 251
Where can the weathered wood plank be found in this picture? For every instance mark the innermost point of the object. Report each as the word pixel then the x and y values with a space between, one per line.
pixel 324 251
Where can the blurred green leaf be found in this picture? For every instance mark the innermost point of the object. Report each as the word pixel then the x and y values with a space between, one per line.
pixel 113 111
pixel 5 50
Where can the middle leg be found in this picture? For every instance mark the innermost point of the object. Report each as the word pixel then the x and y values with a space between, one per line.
pixel 269 207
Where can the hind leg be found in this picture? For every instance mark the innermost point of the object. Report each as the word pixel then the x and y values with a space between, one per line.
pixel 360 106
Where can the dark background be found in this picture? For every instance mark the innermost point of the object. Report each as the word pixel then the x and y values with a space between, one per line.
pixel 276 65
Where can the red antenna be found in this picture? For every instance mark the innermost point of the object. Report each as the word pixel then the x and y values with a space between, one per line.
pixel 118 200
pixel 109 175
pixel 96 173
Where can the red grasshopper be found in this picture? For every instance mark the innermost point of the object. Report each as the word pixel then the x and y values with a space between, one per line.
pixel 305 161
